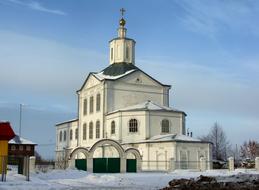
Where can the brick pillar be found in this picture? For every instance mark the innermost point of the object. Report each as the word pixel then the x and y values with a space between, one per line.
pixel 203 166
pixel 172 164
pixel 257 163
pixel 32 163
pixel 231 164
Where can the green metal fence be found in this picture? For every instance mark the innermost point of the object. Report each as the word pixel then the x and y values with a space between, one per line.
pixel 81 164
pixel 106 165
pixel 131 165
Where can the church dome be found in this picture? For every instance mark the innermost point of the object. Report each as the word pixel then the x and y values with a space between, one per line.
pixel 122 22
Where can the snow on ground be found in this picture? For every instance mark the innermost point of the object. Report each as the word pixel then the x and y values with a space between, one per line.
pixel 74 179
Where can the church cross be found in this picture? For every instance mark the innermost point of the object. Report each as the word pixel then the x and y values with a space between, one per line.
pixel 122 11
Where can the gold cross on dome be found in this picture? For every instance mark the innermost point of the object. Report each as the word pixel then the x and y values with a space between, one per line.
pixel 122 11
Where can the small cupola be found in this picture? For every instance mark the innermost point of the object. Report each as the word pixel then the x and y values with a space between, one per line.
pixel 122 49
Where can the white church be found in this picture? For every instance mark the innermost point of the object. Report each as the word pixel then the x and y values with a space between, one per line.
pixel 125 114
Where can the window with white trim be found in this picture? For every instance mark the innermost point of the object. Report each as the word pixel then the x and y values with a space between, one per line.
pixel 71 134
pixel 91 104
pixel 133 126
pixel 84 131
pixel 97 130
pixel 165 126
pixel 91 130
pixel 98 102
pixel 113 127
pixel 60 136
pixel 85 107
pixel 76 133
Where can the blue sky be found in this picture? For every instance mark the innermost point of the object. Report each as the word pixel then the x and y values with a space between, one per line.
pixel 207 51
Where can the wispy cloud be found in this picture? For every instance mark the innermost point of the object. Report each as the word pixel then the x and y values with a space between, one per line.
pixel 34 5
pixel 211 17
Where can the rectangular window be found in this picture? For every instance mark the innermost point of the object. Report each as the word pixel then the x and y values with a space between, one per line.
pixel 76 135
pixel 91 130
pixel 98 102
pixel 13 147
pixel 127 52
pixel 28 148
pixel 111 53
pixel 71 134
pixel 84 132
pixel 91 104
pixel 21 147
pixel 85 107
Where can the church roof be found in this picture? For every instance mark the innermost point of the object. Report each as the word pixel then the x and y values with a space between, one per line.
pixel 170 138
pixel 116 71
pixel 147 106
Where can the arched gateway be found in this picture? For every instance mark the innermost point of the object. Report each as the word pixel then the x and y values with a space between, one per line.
pixel 128 160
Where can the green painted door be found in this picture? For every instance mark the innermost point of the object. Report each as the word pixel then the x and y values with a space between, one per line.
pixel 81 164
pixel 100 165
pixel 113 165
pixel 106 165
pixel 131 165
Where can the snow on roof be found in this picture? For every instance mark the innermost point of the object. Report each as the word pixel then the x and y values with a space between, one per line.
pixel 102 76
pixel 68 121
pixel 19 140
pixel 147 105
pixel 176 137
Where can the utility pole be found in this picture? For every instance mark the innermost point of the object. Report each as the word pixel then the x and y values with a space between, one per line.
pixel 20 126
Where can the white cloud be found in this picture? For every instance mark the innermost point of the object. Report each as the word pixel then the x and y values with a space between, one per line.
pixel 34 5
pixel 210 17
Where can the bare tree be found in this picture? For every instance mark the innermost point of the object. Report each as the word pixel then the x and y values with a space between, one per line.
pixel 220 143
pixel 248 149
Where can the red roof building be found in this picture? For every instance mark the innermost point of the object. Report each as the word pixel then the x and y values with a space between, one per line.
pixel 6 131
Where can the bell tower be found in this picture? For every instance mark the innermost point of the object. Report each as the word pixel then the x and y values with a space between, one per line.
pixel 122 49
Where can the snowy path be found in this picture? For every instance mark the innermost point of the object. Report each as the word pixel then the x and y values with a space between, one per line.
pixel 80 180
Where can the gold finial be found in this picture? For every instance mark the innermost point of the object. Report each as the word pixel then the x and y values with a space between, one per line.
pixel 122 21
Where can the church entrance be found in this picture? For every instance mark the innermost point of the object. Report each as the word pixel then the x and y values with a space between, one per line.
pixel 106 165
pixel 107 157
pixel 79 157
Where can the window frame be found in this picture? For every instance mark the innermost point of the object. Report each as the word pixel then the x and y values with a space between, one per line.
pixel 76 133
pixel 85 107
pixel 97 129
pixel 163 127
pixel 113 128
pixel 98 102
pixel 133 125
pixel 84 131
pixel 91 109
pixel 60 136
pixel 71 134
pixel 91 130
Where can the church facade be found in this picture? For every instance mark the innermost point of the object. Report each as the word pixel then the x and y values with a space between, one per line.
pixel 124 104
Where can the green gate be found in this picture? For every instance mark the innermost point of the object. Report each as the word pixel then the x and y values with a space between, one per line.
pixel 81 164
pixel 106 165
pixel 131 165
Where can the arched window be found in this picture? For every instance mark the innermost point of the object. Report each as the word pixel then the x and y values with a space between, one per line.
pixel 113 127
pixel 111 53
pixel 84 131
pixel 91 104
pixel 65 135
pixel 71 134
pixel 91 130
pixel 76 135
pixel 165 126
pixel 85 107
pixel 97 128
pixel 98 102
pixel 127 52
pixel 60 136
pixel 133 126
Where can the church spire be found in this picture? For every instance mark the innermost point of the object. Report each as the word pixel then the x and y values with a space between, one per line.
pixel 122 31
pixel 122 49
